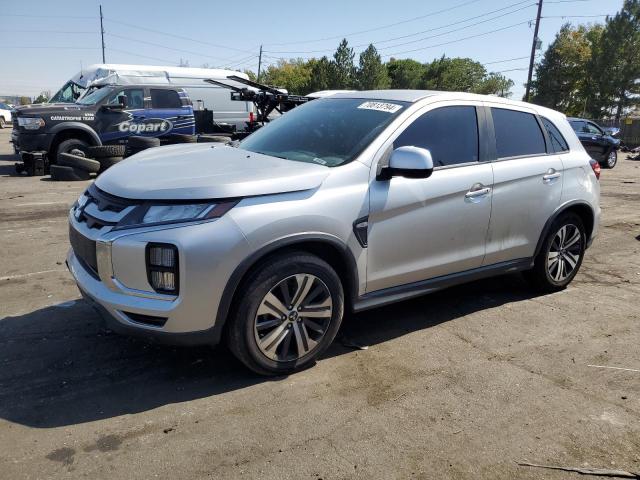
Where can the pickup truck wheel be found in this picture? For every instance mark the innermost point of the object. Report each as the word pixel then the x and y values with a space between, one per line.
pixel 64 173
pixel 70 144
pixel 561 255
pixel 78 163
pixel 288 313
pixel 106 151
pixel 611 160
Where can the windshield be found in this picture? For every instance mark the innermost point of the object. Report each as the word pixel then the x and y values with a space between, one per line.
pixel 69 93
pixel 330 131
pixel 95 97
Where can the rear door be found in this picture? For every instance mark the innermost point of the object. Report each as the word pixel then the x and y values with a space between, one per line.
pixel 173 106
pixel 589 138
pixel 527 183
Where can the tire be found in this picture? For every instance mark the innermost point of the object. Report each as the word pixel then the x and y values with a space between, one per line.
pixel 213 138
pixel 140 143
pixel 546 274
pixel 292 332
pixel 106 151
pixel 78 163
pixel 78 153
pixel 2 122
pixel 175 138
pixel 109 162
pixel 70 144
pixel 611 160
pixel 64 173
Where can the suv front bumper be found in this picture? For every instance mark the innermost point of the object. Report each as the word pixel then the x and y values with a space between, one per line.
pixel 208 254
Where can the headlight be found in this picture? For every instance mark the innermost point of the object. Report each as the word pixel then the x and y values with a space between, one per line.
pixel 160 214
pixel 31 123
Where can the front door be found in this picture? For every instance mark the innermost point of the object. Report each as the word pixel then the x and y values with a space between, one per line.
pixel 426 228
pixel 116 125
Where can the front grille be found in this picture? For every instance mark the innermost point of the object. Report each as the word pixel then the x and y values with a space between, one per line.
pixel 97 202
pixel 84 248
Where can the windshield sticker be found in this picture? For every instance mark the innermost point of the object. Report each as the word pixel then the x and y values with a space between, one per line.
pixel 380 106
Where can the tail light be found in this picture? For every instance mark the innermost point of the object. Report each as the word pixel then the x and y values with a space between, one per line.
pixel 251 118
pixel 162 267
pixel 595 166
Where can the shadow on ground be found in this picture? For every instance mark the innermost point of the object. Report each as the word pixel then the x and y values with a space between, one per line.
pixel 59 366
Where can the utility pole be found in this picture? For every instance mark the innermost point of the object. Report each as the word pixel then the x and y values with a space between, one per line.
pixel 259 63
pixel 102 35
pixel 533 51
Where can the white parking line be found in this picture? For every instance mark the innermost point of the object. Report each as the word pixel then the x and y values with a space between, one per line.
pixel 615 368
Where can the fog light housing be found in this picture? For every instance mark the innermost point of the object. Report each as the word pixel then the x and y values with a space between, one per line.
pixel 162 267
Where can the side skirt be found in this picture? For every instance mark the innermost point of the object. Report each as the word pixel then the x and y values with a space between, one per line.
pixel 423 287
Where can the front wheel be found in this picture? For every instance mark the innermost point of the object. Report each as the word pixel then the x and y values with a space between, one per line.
pixel 561 254
pixel 288 312
pixel 612 159
pixel 2 123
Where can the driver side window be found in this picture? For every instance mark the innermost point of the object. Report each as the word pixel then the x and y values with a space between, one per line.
pixel 135 98
pixel 591 128
pixel 449 133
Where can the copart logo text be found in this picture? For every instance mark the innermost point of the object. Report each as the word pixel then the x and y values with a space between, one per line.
pixel 153 126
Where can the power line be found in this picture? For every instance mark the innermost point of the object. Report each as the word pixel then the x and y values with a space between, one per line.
pixel 49 31
pixel 430 30
pixel 45 16
pixel 181 37
pixel 579 16
pixel 48 47
pixel 457 40
pixel 505 60
pixel 378 28
pixel 191 52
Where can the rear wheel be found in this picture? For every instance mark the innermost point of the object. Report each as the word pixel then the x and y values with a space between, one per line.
pixel 561 254
pixel 611 160
pixel 2 124
pixel 289 312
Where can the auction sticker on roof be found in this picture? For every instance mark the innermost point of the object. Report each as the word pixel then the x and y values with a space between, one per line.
pixel 380 106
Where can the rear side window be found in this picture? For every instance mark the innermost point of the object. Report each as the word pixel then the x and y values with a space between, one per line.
pixel 449 133
pixel 165 98
pixel 558 143
pixel 578 126
pixel 517 133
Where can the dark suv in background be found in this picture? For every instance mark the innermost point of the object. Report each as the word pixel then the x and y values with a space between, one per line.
pixel 596 141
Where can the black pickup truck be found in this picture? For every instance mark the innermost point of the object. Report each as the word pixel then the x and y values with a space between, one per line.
pixel 108 115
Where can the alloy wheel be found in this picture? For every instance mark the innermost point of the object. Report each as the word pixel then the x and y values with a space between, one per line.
pixel 612 159
pixel 293 317
pixel 564 253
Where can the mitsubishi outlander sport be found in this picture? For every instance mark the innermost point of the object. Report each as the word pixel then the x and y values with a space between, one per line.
pixel 343 204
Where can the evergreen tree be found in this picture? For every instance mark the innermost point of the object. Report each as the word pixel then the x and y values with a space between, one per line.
pixel 371 73
pixel 343 71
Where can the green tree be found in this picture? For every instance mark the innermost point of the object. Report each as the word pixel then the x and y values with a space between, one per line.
pixel 453 74
pixel 294 75
pixel 44 97
pixel 614 66
pixel 250 73
pixel 495 84
pixel 405 73
pixel 372 73
pixel 342 73
pixel 563 77
pixel 321 74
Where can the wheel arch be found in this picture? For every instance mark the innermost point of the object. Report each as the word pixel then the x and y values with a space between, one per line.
pixel 327 247
pixel 580 208
pixel 67 130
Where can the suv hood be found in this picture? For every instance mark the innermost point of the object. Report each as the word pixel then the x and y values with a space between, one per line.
pixel 206 171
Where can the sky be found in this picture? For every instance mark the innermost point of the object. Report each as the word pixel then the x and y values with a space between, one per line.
pixel 45 42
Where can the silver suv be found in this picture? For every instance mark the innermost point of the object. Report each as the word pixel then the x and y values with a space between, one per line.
pixel 346 203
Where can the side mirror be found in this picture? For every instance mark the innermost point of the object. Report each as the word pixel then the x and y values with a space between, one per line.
pixel 408 162
pixel 122 100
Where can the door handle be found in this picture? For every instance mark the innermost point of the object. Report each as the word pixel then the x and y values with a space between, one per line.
pixel 477 193
pixel 551 175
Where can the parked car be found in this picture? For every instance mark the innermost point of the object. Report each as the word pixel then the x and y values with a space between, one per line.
pixel 598 142
pixel 5 115
pixel 342 204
